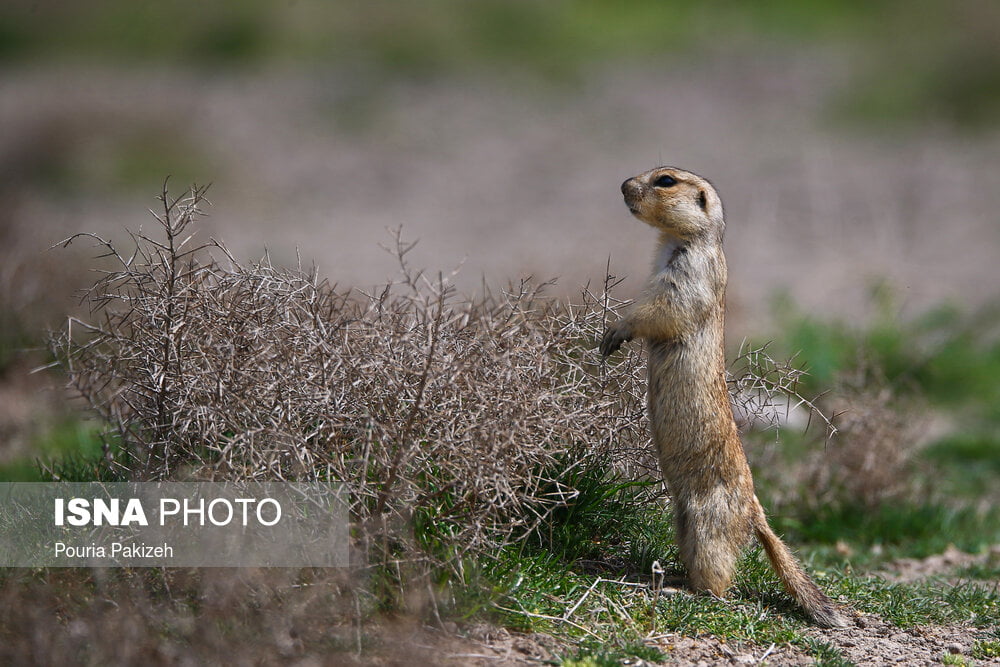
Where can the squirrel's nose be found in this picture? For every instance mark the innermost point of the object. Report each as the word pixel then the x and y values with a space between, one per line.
pixel 632 187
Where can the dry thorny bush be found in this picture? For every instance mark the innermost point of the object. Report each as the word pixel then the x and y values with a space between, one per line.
pixel 463 412
pixel 874 461
pixel 871 462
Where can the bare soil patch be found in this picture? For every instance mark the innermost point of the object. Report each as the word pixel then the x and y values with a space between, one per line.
pixel 945 565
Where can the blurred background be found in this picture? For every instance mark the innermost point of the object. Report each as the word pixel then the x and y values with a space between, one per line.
pixel 856 144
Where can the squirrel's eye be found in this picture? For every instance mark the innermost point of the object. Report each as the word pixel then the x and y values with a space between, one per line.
pixel 664 181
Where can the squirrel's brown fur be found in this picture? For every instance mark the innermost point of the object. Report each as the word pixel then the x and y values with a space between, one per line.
pixel 681 315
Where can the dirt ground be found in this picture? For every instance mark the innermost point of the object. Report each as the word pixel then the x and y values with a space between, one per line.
pixel 510 178
pixel 871 642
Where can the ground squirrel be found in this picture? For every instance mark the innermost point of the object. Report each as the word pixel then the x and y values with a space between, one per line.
pixel 681 314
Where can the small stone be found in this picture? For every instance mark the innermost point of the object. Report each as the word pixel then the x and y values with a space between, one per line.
pixel 954 647
pixel 843 548
pixel 862 622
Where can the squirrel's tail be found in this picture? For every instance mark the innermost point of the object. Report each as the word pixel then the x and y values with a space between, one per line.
pixel 815 602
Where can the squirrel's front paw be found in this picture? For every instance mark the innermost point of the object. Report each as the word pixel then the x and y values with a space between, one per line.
pixel 618 333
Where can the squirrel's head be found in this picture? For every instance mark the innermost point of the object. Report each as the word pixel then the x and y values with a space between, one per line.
pixel 676 202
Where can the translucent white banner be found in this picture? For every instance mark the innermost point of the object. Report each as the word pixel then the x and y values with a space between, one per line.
pixel 173 524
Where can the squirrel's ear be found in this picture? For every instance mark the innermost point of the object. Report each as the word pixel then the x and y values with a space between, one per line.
pixel 702 200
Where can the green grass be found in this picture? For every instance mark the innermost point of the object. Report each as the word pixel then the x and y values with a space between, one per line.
pixel 876 535
pixel 139 158
pixel 824 653
pixel 950 357
pixel 72 448
pixel 612 657
pixel 551 585
pixel 925 603
pixel 611 521
pixel 968 461
pixel 989 648
pixel 131 157
pixel 442 35
pixel 982 572
pixel 610 618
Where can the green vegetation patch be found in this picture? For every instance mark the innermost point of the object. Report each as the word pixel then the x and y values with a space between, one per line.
pixel 70 450
pixel 941 65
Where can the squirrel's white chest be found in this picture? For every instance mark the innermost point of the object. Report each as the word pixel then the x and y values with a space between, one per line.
pixel 664 254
